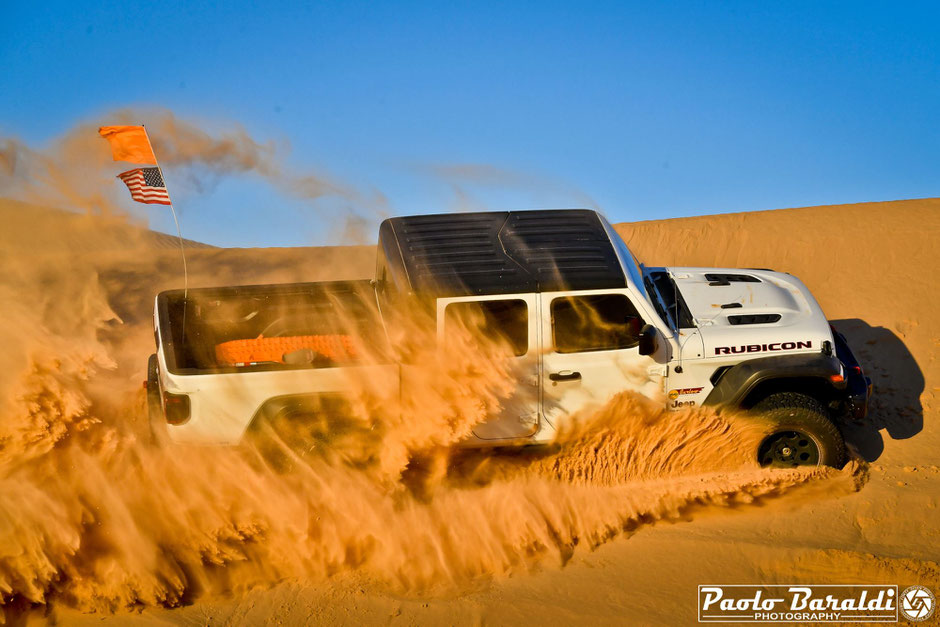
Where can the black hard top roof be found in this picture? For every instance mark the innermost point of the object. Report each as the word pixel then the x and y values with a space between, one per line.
pixel 499 252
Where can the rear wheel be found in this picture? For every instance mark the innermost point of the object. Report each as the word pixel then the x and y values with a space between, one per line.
pixel 154 404
pixel 799 433
pixel 288 430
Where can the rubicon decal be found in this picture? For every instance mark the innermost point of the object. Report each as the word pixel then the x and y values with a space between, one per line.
pixel 798 603
pixel 762 348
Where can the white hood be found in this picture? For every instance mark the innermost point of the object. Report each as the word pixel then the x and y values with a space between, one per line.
pixel 756 312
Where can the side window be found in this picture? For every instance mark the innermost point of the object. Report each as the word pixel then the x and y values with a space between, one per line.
pixel 503 320
pixel 594 323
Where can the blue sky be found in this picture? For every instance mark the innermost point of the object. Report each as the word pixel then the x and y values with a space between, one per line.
pixel 644 110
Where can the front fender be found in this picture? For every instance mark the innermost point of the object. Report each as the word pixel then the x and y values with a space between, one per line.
pixel 739 380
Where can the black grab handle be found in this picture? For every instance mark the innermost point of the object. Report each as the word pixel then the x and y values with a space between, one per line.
pixel 564 376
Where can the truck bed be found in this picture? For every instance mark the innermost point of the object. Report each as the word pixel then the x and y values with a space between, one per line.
pixel 269 327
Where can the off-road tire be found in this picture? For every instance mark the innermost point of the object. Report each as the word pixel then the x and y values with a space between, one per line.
pixel 290 431
pixel 801 424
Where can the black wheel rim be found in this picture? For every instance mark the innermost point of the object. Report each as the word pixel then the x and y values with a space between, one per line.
pixel 787 449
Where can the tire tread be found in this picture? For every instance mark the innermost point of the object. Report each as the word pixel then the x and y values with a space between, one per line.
pixel 814 415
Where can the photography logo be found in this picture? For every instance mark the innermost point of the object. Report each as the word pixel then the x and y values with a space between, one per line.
pixel 918 603
pixel 799 603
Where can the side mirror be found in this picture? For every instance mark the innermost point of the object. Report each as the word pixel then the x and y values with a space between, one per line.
pixel 647 339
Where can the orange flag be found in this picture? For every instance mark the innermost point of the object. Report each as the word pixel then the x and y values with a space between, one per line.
pixel 129 143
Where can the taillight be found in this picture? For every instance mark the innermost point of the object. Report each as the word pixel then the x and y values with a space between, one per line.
pixel 175 408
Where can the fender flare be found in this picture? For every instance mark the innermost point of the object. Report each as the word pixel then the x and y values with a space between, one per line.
pixel 740 380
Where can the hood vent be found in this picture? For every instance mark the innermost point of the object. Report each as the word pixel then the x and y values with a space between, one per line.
pixel 727 279
pixel 754 319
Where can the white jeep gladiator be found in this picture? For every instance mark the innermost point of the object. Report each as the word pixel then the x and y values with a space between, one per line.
pixel 581 316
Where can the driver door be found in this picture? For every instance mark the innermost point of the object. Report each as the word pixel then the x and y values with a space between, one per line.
pixel 591 352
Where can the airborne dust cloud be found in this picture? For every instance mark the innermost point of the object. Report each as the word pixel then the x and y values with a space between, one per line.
pixel 96 514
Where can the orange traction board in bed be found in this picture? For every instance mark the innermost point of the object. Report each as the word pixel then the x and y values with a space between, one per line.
pixel 234 352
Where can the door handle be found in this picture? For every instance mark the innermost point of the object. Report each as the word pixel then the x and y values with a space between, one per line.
pixel 565 375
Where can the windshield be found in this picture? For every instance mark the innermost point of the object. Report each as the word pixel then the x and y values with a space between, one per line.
pixel 668 300
pixel 630 263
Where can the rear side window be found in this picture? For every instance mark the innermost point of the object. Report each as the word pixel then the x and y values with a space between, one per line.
pixel 594 323
pixel 500 320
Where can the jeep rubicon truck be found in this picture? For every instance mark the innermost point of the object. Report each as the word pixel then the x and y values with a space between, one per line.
pixel 583 319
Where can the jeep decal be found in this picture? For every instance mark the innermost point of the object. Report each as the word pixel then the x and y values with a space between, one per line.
pixel 761 348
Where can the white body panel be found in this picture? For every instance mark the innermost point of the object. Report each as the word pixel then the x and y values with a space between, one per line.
pixel 223 405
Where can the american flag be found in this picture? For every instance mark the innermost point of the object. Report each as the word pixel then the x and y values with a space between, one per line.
pixel 146 185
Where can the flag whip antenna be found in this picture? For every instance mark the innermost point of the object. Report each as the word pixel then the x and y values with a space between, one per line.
pixel 179 233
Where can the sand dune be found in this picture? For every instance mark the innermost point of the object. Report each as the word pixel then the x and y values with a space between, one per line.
pixel 78 335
